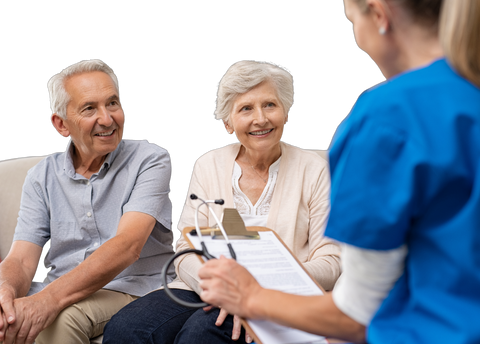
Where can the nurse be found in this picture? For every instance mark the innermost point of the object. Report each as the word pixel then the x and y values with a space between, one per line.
pixel 405 168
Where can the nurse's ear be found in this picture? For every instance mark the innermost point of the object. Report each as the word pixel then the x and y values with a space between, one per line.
pixel 380 13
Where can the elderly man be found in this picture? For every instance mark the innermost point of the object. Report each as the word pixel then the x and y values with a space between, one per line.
pixel 104 205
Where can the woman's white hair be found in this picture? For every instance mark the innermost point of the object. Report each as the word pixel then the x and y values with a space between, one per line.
pixel 242 76
pixel 59 97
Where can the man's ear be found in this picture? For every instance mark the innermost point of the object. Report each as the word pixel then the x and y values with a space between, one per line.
pixel 59 124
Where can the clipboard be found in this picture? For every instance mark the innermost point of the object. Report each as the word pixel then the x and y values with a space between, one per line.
pixel 266 332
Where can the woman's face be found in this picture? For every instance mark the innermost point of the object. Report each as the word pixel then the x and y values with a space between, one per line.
pixel 257 118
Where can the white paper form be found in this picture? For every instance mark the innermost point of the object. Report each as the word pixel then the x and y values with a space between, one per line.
pixel 273 267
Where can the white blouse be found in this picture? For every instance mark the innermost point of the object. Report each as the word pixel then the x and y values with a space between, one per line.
pixel 254 215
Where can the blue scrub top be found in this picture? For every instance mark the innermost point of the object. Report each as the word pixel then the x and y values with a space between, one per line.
pixel 405 168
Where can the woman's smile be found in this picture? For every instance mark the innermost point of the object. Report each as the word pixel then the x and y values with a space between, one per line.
pixel 261 133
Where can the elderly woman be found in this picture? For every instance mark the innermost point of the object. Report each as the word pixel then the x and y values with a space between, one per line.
pixel 406 169
pixel 269 182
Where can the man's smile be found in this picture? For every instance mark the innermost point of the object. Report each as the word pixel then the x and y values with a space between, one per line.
pixel 107 133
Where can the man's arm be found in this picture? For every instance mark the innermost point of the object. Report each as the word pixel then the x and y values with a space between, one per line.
pixel 227 284
pixel 106 262
pixel 36 312
pixel 16 274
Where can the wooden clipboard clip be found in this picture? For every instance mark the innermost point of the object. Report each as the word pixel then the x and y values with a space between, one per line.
pixel 234 226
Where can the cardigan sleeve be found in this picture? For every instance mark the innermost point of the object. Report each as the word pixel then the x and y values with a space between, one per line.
pixel 323 261
pixel 187 266
pixel 208 173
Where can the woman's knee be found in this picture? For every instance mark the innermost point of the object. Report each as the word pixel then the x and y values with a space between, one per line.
pixel 154 318
pixel 201 328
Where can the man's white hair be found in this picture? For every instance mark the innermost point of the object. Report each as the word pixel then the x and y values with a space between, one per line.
pixel 242 76
pixel 59 97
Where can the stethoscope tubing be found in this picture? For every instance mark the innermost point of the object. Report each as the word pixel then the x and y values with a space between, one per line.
pixel 203 252
pixel 165 283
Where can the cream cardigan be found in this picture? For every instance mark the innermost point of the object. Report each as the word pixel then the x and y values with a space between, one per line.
pixel 298 212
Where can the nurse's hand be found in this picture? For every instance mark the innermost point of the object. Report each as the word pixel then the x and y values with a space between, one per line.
pixel 229 285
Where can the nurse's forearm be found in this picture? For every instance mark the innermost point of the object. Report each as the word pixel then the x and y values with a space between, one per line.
pixel 227 284
pixel 314 314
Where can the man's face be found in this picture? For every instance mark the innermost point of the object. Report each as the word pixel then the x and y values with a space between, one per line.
pixel 94 114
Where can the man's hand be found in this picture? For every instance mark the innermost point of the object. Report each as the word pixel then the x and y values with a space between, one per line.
pixel 227 284
pixel 7 311
pixel 33 314
pixel 16 274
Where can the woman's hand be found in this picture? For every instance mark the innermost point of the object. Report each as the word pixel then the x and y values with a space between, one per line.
pixel 229 285
pixel 237 325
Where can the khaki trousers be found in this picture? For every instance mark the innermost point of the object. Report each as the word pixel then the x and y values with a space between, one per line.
pixel 86 319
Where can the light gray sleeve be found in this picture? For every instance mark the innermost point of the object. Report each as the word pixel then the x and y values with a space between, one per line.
pixel 34 217
pixel 368 276
pixel 152 186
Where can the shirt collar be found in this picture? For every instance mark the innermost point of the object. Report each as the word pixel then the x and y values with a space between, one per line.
pixel 68 161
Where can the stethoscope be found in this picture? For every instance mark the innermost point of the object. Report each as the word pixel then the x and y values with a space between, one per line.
pixel 203 252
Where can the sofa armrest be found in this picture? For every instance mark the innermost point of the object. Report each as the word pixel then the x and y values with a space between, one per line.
pixel 12 176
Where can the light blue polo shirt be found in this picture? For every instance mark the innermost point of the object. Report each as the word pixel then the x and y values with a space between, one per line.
pixel 79 215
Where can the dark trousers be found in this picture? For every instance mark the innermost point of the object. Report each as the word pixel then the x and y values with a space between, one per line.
pixel 155 318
